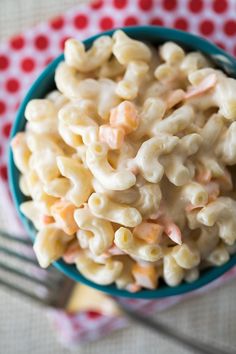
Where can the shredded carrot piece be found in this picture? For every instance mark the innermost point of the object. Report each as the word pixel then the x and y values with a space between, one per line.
pixel 112 136
pixel 173 232
pixel 115 251
pixel 133 288
pixel 47 219
pixel 125 116
pixel 63 212
pixel 72 252
pixel 203 175
pixel 170 228
pixel 150 232
pixel 206 84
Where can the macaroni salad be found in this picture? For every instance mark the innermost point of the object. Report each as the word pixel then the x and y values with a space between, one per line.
pixel 126 164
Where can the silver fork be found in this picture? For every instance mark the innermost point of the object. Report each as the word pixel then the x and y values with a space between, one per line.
pixel 19 272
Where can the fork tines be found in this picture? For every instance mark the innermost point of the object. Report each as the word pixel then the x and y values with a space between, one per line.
pixel 20 272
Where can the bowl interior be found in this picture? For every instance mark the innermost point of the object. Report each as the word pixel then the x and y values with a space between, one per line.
pixel 45 83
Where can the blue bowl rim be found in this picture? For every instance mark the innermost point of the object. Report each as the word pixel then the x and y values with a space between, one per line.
pixel 165 291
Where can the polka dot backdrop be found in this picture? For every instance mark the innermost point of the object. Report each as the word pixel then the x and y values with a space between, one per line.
pixel 24 56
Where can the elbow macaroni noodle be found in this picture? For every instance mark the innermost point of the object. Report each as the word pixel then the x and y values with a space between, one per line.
pixel 80 179
pixel 126 49
pixel 102 230
pixel 84 61
pixel 128 87
pixel 103 274
pixel 51 243
pixel 126 163
pixel 125 240
pixel 174 165
pixel 104 208
pixel 96 159
pixel 148 154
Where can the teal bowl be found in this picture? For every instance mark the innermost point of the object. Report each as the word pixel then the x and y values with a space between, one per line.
pixel 45 83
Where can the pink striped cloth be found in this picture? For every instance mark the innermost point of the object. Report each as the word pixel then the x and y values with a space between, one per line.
pixel 24 56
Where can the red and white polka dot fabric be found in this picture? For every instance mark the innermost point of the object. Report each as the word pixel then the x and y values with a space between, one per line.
pixel 24 56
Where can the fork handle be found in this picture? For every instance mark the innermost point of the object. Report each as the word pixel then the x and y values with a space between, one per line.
pixel 169 333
